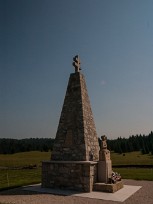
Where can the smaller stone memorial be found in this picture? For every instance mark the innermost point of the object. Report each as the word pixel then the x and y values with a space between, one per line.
pixel 108 181
pixel 105 163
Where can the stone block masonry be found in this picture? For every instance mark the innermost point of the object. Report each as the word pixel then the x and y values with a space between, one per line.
pixel 75 175
pixel 76 138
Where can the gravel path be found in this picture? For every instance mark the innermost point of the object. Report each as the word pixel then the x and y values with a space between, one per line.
pixel 19 196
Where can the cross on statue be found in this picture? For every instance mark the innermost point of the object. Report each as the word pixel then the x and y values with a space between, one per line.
pixel 76 63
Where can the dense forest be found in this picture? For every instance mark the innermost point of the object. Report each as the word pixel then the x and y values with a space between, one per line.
pixel 143 143
pixel 10 146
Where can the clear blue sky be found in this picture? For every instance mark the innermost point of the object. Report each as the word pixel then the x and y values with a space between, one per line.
pixel 38 39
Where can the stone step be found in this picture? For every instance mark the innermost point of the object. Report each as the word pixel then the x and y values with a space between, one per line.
pixel 110 188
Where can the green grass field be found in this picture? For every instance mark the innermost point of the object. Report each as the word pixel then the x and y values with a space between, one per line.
pixel 13 178
pixel 24 158
pixel 131 158
pixel 135 173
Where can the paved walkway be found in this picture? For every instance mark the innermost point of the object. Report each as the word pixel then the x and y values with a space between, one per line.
pixel 121 195
pixel 19 196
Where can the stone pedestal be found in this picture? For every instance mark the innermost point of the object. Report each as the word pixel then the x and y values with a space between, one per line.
pixel 74 175
pixel 109 188
pixel 105 181
pixel 104 171
pixel 104 163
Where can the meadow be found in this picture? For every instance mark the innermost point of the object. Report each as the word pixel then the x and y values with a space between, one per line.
pixel 20 171
pixel 25 168
pixel 131 158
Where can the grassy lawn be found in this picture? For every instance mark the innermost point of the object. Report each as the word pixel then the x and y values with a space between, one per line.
pixel 13 178
pixel 131 158
pixel 135 173
pixel 24 158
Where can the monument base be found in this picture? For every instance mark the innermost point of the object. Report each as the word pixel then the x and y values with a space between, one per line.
pixel 74 175
pixel 109 188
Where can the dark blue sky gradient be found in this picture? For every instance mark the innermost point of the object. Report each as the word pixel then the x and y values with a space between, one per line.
pixel 38 41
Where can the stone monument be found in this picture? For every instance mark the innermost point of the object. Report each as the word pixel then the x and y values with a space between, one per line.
pixel 108 181
pixel 105 163
pixel 76 138
pixel 75 152
pixel 76 162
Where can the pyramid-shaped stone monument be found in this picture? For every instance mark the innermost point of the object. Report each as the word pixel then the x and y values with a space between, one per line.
pixel 76 160
pixel 76 138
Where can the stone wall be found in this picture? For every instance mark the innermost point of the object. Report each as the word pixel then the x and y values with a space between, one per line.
pixel 72 175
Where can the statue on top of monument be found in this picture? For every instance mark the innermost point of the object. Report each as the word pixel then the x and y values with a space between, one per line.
pixel 103 142
pixel 76 63
pixel 104 153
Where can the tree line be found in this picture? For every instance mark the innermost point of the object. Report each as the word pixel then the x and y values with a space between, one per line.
pixel 11 146
pixel 143 143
